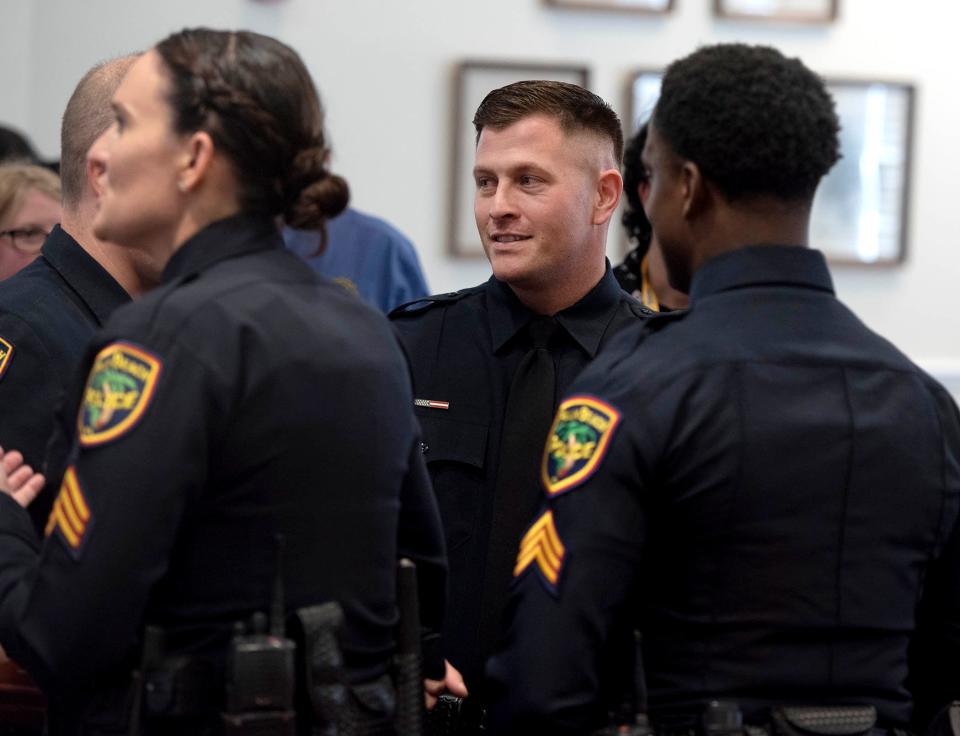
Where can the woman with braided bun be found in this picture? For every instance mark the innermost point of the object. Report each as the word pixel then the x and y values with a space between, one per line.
pixel 242 413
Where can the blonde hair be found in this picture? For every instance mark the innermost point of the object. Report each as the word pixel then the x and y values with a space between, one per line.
pixel 17 179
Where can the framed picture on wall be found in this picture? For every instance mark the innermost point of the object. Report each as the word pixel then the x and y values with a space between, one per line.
pixel 473 80
pixel 860 211
pixel 636 6
pixel 791 11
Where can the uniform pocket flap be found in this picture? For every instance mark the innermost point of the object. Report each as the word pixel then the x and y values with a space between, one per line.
pixel 450 439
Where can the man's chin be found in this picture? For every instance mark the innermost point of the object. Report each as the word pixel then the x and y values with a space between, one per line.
pixel 509 269
pixel 99 230
pixel 102 226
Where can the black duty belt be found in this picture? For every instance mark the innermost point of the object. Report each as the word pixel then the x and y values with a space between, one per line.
pixel 723 718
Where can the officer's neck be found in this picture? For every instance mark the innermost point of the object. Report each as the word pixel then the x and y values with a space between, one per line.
pixel 757 221
pixel 119 262
pixel 548 299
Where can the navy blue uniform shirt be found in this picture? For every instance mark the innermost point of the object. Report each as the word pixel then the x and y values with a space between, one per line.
pixel 464 349
pixel 241 399
pixel 775 485
pixel 48 313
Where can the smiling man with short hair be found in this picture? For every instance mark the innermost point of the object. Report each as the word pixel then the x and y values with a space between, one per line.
pixel 489 362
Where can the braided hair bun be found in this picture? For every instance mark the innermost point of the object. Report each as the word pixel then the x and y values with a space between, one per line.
pixel 253 95
pixel 314 193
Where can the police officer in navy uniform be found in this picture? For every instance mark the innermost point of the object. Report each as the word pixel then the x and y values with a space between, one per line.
pixel 547 183
pixel 50 310
pixel 241 401
pixel 775 485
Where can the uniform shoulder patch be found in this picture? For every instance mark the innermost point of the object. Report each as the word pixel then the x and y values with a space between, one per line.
pixel 6 353
pixel 119 389
pixel 541 548
pixel 577 442
pixel 71 515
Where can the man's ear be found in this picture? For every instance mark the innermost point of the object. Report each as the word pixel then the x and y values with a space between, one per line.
pixel 696 192
pixel 609 189
pixel 95 170
pixel 195 161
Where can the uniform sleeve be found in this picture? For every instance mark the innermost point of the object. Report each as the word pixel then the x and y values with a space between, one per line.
pixel 574 577
pixel 938 619
pixel 29 390
pixel 420 538
pixel 75 610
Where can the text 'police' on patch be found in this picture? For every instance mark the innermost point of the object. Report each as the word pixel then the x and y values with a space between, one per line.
pixel 578 440
pixel 121 384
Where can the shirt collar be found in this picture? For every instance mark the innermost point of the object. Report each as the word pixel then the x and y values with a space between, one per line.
pixel 228 238
pixel 91 281
pixel 762 265
pixel 586 321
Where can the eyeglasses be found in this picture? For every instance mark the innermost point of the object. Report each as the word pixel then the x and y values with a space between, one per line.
pixel 27 240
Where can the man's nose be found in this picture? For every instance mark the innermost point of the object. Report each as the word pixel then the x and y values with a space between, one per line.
pixel 503 202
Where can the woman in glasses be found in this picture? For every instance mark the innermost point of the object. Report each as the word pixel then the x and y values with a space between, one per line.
pixel 243 425
pixel 29 208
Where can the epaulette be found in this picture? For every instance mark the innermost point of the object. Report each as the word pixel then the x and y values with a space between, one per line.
pixel 658 320
pixel 640 309
pixel 428 302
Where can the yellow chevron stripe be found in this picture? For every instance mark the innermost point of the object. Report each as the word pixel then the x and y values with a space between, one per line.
pixel 553 539
pixel 541 544
pixel 525 559
pixel 542 541
pixel 64 526
pixel 51 522
pixel 69 513
pixel 76 495
pixel 544 527
pixel 552 574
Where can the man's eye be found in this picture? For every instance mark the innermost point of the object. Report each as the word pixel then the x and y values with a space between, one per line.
pixel 529 180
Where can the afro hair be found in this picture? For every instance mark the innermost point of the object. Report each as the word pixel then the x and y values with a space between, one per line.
pixel 754 121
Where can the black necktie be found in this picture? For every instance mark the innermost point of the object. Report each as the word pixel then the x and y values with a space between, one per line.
pixel 529 411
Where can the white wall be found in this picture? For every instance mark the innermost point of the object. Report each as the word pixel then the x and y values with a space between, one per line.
pixel 384 68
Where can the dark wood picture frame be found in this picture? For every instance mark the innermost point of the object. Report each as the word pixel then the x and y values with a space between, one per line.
pixel 646 7
pixel 821 11
pixel 861 212
pixel 472 81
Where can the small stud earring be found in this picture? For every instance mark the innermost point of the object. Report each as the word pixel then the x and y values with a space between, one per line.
pixel 182 186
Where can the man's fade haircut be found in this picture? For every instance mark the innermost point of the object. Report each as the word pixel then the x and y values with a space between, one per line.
pixel 754 121
pixel 573 107
pixel 87 115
